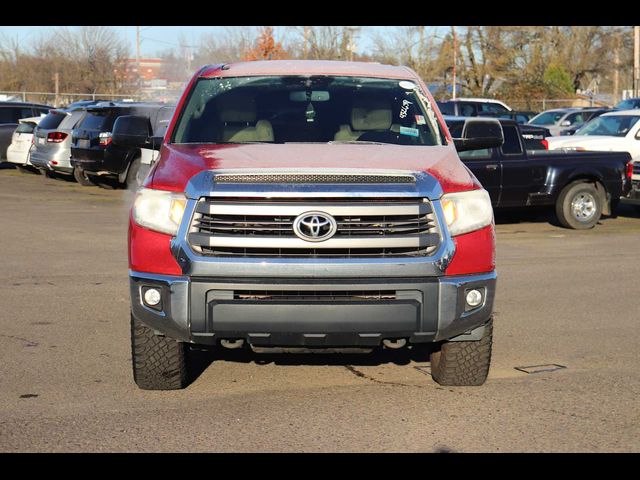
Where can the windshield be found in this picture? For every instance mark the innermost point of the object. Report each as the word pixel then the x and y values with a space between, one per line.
pixel 52 120
pixel 614 125
pixel 547 118
pixel 25 127
pixel 629 104
pixel 97 120
pixel 306 110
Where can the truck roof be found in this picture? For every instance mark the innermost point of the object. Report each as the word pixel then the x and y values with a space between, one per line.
pixel 615 113
pixel 307 67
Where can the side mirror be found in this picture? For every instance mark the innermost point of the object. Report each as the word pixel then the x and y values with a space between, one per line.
pixel 133 131
pixel 478 134
pixel 566 123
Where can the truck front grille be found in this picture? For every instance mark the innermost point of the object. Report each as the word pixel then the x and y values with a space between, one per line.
pixel 394 227
pixel 310 296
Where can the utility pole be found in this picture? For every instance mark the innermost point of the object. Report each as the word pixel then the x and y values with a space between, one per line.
pixel 455 55
pixel 616 71
pixel 306 40
pixel 636 61
pixel 56 79
pixel 138 54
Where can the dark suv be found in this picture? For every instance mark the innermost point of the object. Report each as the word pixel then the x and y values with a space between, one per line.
pixel 92 152
pixel 472 107
pixel 10 113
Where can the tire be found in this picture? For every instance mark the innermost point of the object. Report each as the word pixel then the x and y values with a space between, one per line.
pixel 159 363
pixel 463 363
pixel 82 178
pixel 579 206
pixel 137 173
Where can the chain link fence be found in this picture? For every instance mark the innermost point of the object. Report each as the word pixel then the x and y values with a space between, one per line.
pixel 64 99
pixel 540 105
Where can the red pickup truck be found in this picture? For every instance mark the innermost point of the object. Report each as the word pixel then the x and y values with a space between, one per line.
pixel 301 205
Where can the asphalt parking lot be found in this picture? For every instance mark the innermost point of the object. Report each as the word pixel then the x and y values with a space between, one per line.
pixel 565 298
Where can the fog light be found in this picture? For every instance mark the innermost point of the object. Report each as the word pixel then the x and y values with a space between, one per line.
pixel 474 298
pixel 152 297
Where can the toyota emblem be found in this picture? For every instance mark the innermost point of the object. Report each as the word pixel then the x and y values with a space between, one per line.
pixel 315 226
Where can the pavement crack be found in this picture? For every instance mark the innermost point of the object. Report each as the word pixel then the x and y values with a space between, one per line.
pixel 29 343
pixel 360 374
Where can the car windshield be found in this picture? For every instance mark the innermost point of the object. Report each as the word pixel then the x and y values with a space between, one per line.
pixel 612 125
pixel 25 127
pixel 629 104
pixel 52 120
pixel 303 109
pixel 547 118
pixel 96 120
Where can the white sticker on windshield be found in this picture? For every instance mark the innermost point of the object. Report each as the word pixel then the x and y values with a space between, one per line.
pixel 420 120
pixel 407 85
pixel 405 108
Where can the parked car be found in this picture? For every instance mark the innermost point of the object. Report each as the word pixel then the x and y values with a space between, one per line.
pixel 10 113
pixel 52 141
pixel 22 141
pixel 558 119
pixel 616 131
pixel 521 117
pixel 588 115
pixel 309 204
pixel 532 136
pixel 94 155
pixel 580 186
pixel 634 195
pixel 472 107
pixel 628 104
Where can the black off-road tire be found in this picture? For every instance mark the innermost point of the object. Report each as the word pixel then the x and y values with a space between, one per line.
pixel 574 192
pixel 463 363
pixel 159 363
pixel 82 178
pixel 137 174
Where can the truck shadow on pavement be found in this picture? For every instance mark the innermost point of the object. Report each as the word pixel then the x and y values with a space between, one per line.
pixel 200 360
pixel 535 215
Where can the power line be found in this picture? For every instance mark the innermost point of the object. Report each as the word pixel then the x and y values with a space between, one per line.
pixel 167 43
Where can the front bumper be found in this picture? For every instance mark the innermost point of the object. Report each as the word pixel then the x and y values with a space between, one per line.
pixel 314 302
pixel 205 310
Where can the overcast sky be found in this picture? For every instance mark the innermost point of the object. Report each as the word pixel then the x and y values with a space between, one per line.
pixel 157 39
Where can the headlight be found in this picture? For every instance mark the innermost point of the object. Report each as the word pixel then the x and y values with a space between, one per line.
pixel 159 210
pixel 467 211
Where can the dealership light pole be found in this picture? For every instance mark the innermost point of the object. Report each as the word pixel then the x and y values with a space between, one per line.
pixel 636 61
pixel 455 54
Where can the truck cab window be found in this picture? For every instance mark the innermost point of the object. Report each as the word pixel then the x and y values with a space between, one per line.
pixel 512 145
pixel 482 154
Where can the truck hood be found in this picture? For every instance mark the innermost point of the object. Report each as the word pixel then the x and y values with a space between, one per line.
pixel 601 143
pixel 178 163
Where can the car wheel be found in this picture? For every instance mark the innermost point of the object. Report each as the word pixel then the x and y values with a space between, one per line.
pixel 159 362
pixel 82 178
pixel 579 206
pixel 137 174
pixel 463 363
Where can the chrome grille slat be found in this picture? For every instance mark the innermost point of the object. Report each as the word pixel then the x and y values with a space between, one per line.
pixel 295 209
pixel 313 178
pixel 398 227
